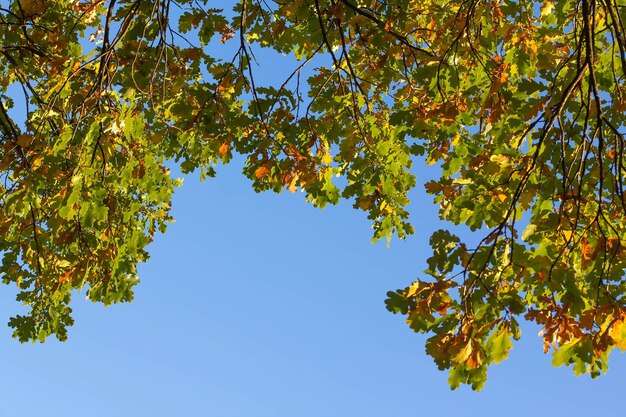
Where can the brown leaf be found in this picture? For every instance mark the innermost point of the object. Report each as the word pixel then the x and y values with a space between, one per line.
pixel 365 203
pixel 433 187
pixel 24 140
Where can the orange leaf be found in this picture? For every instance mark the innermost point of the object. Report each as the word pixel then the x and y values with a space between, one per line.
pixel 261 172
pixel 442 308
pixel 224 148
pixel 501 196
pixel 586 250
pixel 474 360
pixel 613 244
pixel 432 23
pixel 66 276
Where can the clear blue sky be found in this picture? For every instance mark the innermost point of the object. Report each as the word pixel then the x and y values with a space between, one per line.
pixel 262 306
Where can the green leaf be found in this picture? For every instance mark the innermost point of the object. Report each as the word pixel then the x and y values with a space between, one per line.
pixel 499 344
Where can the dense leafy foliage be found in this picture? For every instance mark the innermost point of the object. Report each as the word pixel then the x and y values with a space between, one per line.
pixel 520 105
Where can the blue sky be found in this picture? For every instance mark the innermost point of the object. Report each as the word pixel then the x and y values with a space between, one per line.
pixel 258 305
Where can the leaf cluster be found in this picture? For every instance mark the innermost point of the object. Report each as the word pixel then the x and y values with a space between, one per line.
pixel 519 104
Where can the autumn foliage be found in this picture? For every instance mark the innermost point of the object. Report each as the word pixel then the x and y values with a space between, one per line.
pixel 518 105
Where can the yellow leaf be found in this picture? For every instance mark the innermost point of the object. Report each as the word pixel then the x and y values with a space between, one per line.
pixel 455 139
pixel 64 263
pixel 463 355
pixel 327 159
pixel 567 234
pixel 293 184
pixel 618 334
pixel 36 162
pixel 501 160
pixel 413 289
pixel 547 8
